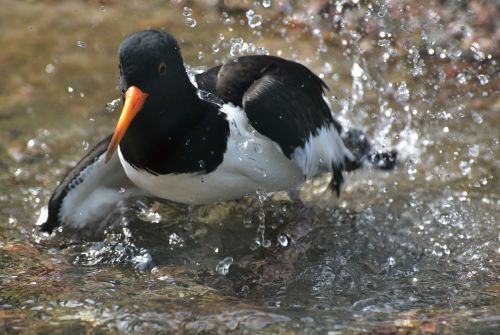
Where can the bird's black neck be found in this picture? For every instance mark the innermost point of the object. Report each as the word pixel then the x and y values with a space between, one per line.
pixel 176 132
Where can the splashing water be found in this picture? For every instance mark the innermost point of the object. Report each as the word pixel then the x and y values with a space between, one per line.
pixel 411 250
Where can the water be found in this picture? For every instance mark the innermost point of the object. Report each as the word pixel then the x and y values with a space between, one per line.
pixel 412 250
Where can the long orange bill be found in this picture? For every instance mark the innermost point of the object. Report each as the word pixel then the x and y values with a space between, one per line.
pixel 134 99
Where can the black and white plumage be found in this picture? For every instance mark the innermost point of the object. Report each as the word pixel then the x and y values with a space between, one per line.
pixel 255 122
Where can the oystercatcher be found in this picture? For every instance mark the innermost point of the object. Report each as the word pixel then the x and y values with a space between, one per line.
pixel 253 123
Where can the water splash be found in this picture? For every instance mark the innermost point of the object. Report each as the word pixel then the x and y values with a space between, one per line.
pixel 222 267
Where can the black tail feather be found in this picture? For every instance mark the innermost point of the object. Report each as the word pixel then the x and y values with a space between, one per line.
pixel 361 149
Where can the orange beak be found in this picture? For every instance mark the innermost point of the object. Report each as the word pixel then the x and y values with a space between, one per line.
pixel 134 99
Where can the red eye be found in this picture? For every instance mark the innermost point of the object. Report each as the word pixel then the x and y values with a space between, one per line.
pixel 162 68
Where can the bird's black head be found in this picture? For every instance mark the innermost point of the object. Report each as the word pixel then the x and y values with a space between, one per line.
pixel 152 79
pixel 150 60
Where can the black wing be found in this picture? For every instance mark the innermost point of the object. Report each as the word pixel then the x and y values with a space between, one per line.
pixel 283 99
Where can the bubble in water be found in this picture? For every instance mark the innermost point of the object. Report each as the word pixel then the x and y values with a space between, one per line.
pixel 70 89
pixel 223 266
pixel 190 22
pixel 201 163
pixel 81 44
pixel 403 93
pixel 283 240
pixel 49 68
pixel 266 3
pixel 201 55
pixel 187 11
pixel 483 79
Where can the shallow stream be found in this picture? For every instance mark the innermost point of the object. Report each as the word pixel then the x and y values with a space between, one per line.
pixel 414 250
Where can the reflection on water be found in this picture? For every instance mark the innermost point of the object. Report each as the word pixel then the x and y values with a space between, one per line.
pixel 414 249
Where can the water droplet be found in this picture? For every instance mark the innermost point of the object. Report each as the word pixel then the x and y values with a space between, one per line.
pixel 262 172
pixel 85 145
pixel 190 22
pixel 236 45
pixel 142 261
pixel 70 89
pixel 474 150
pixel 483 79
pixel 356 70
pixel 50 68
pixel 223 266
pixel 476 52
pixel 465 167
pixel 446 130
pixel 201 55
pixel 255 21
pixel 403 93
pixel 111 106
pixel 81 44
pixel 283 240
pixel 382 11
pixel 152 216
pixel 462 78
pixel 477 118
pixel 187 11
pixel 174 239
pixel 215 47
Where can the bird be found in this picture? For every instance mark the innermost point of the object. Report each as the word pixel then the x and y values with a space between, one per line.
pixel 253 123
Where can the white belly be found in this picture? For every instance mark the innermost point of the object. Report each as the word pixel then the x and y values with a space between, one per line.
pixel 251 162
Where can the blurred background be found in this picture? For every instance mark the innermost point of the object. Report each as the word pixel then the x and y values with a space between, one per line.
pixel 415 250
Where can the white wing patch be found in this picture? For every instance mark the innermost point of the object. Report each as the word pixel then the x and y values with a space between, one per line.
pixel 101 186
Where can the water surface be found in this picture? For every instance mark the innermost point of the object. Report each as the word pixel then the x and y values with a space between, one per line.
pixel 411 250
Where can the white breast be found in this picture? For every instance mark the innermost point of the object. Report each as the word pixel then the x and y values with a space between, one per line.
pixel 251 162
